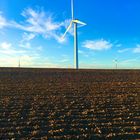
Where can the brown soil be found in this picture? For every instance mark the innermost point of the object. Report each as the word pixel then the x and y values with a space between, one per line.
pixel 69 104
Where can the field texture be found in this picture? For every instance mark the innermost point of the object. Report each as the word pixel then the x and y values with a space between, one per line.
pixel 69 104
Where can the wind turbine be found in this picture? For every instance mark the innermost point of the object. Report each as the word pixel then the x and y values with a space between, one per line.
pixel 19 63
pixel 74 22
pixel 116 63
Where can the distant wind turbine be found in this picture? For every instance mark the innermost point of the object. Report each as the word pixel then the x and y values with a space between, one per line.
pixel 116 63
pixel 74 22
pixel 19 63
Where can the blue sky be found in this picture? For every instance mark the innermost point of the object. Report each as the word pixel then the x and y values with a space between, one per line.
pixel 31 30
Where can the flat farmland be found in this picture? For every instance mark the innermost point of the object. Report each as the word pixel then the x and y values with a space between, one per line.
pixel 69 104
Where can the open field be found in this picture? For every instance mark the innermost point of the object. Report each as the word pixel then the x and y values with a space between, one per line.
pixel 69 104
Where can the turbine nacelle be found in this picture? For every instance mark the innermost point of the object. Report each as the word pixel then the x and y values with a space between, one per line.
pixel 75 21
pixel 79 22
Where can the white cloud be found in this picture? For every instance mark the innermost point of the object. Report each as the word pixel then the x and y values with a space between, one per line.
pixel 8 61
pixel 49 62
pixel 3 21
pixel 123 50
pixel 9 55
pixel 65 58
pixel 128 61
pixel 118 45
pixel 37 21
pixel 98 45
pixel 5 45
pixel 26 45
pixel 25 61
pixel 39 48
pixel 6 48
pixel 28 36
pixel 83 53
pixel 137 49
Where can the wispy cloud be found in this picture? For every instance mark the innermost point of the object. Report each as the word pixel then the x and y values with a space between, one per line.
pixel 98 45
pixel 3 21
pixel 10 55
pixel 5 45
pixel 25 60
pixel 123 50
pixel 83 53
pixel 28 36
pixel 118 45
pixel 129 61
pixel 25 41
pixel 37 22
pixel 6 48
pixel 25 45
pixel 64 59
pixel 137 49
pixel 39 48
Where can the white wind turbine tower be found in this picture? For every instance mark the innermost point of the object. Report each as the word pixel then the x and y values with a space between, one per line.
pixel 74 22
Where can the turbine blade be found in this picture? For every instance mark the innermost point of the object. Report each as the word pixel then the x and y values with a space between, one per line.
pixel 72 9
pixel 79 22
pixel 67 30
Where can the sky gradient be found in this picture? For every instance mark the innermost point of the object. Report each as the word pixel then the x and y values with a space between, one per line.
pixel 31 30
